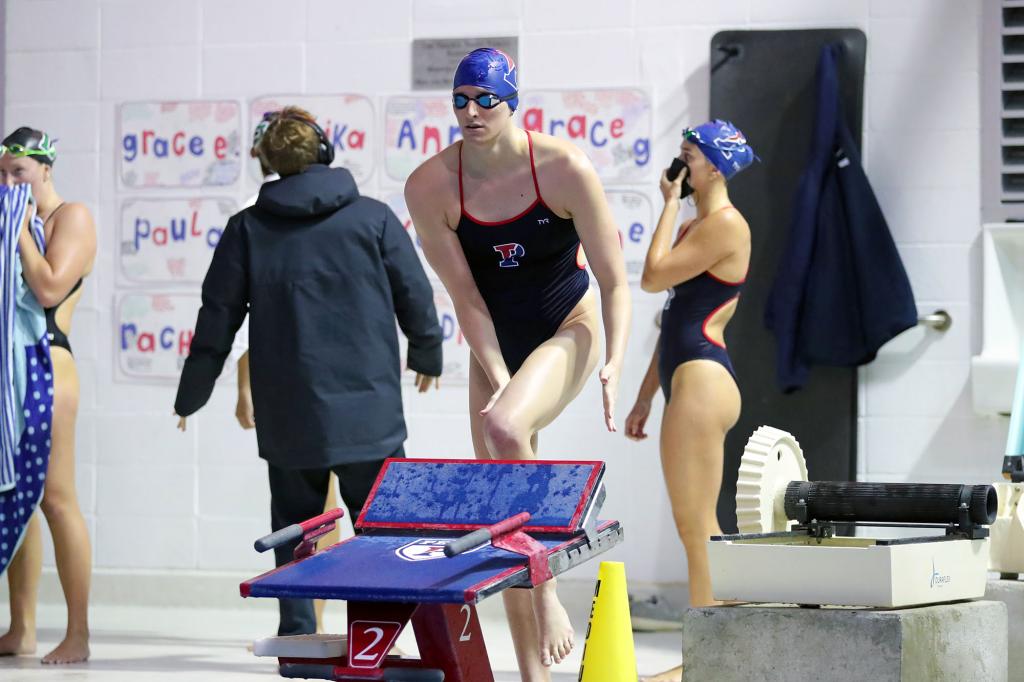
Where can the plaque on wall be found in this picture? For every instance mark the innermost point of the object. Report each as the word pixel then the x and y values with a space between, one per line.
pixel 434 59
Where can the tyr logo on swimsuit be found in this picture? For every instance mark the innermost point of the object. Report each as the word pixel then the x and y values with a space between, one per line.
pixel 509 253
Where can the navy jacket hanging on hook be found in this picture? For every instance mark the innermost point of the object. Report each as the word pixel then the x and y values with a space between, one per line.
pixel 840 292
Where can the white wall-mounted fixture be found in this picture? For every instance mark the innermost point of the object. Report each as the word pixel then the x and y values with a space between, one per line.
pixel 994 372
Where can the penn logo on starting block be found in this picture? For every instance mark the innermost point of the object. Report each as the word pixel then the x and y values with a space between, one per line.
pixel 425 549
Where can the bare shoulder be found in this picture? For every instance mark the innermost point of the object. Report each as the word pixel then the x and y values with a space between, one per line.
pixel 562 168
pixel 560 160
pixel 433 178
pixel 730 222
pixel 74 217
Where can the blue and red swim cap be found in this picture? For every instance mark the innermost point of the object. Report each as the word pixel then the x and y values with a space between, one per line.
pixel 723 144
pixel 490 69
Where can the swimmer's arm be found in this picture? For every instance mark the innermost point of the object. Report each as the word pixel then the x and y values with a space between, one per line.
pixel 650 385
pixel 584 198
pixel 666 266
pixel 444 253
pixel 71 249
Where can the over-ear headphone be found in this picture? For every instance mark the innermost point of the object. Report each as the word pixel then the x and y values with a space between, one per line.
pixel 324 149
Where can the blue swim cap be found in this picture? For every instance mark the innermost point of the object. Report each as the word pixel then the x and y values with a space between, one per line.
pixel 490 69
pixel 723 145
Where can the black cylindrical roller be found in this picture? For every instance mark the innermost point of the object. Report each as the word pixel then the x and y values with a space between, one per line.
pixel 889 502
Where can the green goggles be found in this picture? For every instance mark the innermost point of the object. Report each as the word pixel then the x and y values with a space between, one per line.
pixel 18 151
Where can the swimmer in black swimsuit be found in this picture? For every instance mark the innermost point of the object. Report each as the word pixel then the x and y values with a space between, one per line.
pixel 703 273
pixel 56 280
pixel 501 215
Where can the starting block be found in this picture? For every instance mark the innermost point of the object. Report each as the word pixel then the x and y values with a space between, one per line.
pixel 434 538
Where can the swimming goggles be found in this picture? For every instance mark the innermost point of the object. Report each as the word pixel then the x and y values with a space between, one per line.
pixel 485 100
pixel 19 151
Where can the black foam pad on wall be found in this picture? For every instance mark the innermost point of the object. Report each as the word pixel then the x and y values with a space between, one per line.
pixel 763 81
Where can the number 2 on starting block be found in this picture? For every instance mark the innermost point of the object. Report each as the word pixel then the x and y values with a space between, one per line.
pixel 369 641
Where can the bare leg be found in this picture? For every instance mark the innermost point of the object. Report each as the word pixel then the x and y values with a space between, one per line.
pixel 67 525
pixel 705 404
pixel 549 379
pixel 23 582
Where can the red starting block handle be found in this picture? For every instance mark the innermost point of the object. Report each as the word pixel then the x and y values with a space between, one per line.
pixel 484 535
pixel 316 526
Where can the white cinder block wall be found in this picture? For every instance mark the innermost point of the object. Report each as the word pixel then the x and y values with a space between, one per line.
pixel 157 499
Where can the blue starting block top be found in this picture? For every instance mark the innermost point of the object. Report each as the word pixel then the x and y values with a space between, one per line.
pixel 448 494
pixel 418 506
pixel 410 567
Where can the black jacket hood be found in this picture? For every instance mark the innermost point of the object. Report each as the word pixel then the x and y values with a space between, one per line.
pixel 315 191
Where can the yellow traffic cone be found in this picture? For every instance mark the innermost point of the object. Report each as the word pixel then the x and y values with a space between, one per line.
pixel 608 654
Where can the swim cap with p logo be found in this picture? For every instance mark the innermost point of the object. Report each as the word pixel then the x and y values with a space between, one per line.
pixel 724 146
pixel 491 70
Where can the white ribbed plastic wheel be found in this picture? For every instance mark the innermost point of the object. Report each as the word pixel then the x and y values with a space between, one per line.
pixel 770 461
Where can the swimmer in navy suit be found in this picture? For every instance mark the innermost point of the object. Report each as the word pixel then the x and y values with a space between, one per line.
pixel 504 216
pixel 703 272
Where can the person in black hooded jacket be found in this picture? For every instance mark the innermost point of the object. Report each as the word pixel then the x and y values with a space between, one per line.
pixel 322 272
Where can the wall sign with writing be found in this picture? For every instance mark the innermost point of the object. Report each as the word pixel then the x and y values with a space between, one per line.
pixel 634 217
pixel 612 126
pixel 153 334
pixel 170 241
pixel 179 144
pixel 347 120
pixel 416 128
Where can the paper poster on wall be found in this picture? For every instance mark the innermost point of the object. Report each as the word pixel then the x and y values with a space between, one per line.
pixel 634 217
pixel 171 241
pixel 179 144
pixel 347 121
pixel 153 335
pixel 396 201
pixel 612 126
pixel 416 128
pixel 454 345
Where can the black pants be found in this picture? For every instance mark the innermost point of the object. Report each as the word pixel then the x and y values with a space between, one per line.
pixel 300 494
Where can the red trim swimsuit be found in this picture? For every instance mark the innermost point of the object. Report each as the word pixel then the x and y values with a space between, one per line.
pixel 528 270
pixel 690 307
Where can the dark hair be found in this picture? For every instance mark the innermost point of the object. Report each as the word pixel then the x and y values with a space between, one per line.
pixel 35 140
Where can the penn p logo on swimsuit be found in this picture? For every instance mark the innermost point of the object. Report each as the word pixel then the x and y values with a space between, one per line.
pixel 509 253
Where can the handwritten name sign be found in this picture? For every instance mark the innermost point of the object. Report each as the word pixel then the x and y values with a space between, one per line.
pixel 635 219
pixel 153 334
pixel 347 121
pixel 166 241
pixel 179 144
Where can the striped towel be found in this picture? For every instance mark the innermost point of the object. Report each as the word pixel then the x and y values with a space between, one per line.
pixel 26 381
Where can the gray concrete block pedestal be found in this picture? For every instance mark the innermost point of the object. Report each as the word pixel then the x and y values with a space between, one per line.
pixel 959 642
pixel 1011 593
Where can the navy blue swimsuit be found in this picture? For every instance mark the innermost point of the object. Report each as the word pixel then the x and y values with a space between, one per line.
pixel 529 269
pixel 690 307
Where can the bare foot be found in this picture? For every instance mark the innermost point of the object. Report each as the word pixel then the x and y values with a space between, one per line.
pixel 74 649
pixel 556 634
pixel 673 675
pixel 17 643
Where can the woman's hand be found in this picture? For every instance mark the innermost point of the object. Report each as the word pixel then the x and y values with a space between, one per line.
pixel 423 382
pixel 494 399
pixel 181 421
pixel 609 377
pixel 671 189
pixel 244 412
pixel 637 419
